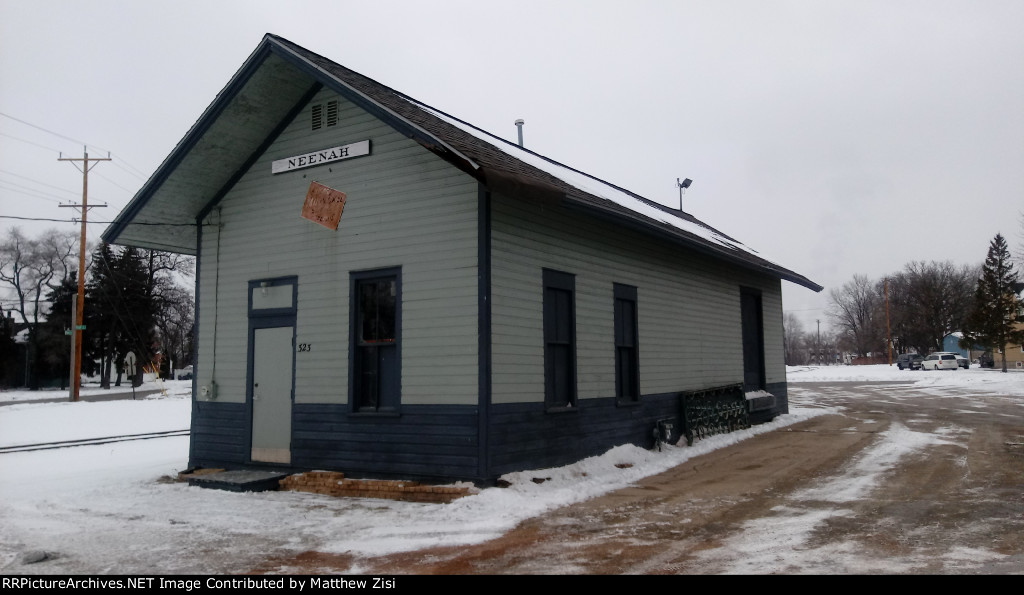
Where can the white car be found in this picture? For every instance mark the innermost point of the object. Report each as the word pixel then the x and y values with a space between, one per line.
pixel 940 361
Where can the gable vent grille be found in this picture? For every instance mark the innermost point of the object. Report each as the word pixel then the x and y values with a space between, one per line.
pixel 318 116
pixel 332 113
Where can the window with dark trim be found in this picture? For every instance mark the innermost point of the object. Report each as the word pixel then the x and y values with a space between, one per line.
pixel 559 339
pixel 627 353
pixel 376 341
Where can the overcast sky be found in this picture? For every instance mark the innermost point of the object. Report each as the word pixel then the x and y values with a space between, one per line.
pixel 836 138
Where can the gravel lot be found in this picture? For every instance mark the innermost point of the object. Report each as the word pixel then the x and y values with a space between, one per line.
pixel 898 480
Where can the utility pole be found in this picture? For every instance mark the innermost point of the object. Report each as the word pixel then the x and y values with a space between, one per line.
pixel 71 332
pixel 819 340
pixel 888 330
pixel 80 307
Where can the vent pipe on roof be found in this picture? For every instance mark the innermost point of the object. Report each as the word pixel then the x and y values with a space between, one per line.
pixel 519 125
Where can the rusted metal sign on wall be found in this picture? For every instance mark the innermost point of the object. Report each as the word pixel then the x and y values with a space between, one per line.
pixel 324 205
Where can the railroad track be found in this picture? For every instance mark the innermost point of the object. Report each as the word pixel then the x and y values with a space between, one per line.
pixel 91 441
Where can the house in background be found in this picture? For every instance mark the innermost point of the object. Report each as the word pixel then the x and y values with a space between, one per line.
pixel 386 290
pixel 951 344
pixel 1014 354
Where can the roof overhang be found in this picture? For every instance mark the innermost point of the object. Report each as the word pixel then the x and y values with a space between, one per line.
pixel 266 93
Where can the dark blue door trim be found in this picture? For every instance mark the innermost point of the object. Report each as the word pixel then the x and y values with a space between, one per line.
pixel 267 318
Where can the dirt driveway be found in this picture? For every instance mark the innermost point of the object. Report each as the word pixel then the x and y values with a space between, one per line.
pixel 907 481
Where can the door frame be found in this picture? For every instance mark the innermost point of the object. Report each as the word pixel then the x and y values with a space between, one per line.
pixel 749 293
pixel 260 318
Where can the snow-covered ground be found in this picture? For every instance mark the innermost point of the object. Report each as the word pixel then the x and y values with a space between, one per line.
pixel 975 378
pixel 110 508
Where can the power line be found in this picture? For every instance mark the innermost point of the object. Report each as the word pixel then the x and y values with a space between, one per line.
pixel 57 134
pixel 10 173
pixel 30 142
pixel 33 192
pixel 103 222
pixel 137 173
pixel 115 183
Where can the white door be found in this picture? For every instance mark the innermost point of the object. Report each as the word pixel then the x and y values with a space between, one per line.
pixel 272 394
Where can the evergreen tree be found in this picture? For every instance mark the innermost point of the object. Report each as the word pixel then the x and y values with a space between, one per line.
pixel 137 313
pixel 100 303
pixel 995 319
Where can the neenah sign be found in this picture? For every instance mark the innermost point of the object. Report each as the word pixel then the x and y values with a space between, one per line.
pixel 319 157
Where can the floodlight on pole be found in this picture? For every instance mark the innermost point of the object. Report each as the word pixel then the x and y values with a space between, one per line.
pixel 682 186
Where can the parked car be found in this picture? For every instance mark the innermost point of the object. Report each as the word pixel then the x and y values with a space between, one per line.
pixel 185 373
pixel 911 361
pixel 940 361
pixel 986 360
pixel 961 361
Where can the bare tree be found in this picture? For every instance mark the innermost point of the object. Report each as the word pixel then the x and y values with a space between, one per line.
pixel 174 323
pixel 29 269
pixel 829 348
pixel 929 301
pixel 174 303
pixel 794 341
pixel 857 311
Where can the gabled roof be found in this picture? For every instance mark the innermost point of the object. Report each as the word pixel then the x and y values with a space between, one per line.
pixel 280 78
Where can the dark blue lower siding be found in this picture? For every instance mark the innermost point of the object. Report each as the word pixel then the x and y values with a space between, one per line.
pixel 220 435
pixel 425 442
pixel 440 442
pixel 525 436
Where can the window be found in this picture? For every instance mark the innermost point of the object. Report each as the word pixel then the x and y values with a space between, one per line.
pixel 559 339
pixel 627 356
pixel 376 322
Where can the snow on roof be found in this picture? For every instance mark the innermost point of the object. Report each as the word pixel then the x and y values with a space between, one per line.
pixel 588 183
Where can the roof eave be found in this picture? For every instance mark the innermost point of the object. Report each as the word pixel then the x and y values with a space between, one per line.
pixel 680 237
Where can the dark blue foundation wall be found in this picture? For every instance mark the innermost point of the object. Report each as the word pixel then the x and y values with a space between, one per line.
pixel 425 442
pixel 441 442
pixel 526 436
pixel 430 442
pixel 220 435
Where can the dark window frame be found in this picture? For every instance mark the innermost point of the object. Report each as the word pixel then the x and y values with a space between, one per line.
pixel 626 316
pixel 559 331
pixel 357 280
